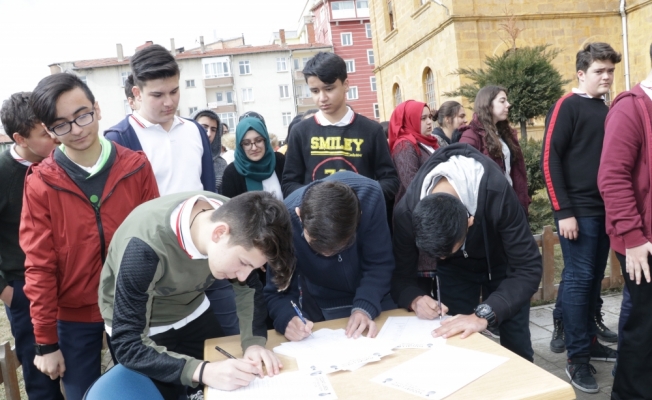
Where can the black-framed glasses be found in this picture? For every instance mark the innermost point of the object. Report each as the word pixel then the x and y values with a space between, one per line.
pixel 81 121
pixel 248 144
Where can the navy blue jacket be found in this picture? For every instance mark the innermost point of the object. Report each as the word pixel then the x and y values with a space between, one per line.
pixel 123 134
pixel 359 276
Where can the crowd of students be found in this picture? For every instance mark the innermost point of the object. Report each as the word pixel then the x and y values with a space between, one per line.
pixel 149 234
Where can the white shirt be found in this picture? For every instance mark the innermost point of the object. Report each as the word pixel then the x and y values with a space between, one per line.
pixel 646 85
pixel 507 161
pixel 175 155
pixel 347 119
pixel 17 157
pixel 273 186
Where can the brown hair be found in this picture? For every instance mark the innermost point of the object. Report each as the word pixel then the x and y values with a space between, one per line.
pixel 483 108
pixel 449 109
pixel 595 51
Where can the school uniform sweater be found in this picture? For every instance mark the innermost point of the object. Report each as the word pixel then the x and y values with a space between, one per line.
pixel 359 276
pixel 316 151
pixel 570 157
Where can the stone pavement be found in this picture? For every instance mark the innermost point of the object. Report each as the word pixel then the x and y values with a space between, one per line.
pixel 541 327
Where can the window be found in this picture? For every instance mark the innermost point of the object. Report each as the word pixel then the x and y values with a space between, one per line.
pixel 297 64
pixel 367 28
pixel 306 59
pixel 370 57
pixel 247 95
pixel 376 111
pixel 281 64
pixel 220 97
pixel 245 68
pixel 352 94
pixel 343 9
pixel 390 14
pixel 217 69
pixel 373 83
pixel 429 86
pixel 303 91
pixel 190 83
pixel 191 110
pixel 123 77
pixel 83 78
pixel 284 91
pixel 350 65
pixel 229 119
pixel 287 118
pixel 363 8
pixel 347 39
pixel 229 98
pixel 127 107
pixel 397 95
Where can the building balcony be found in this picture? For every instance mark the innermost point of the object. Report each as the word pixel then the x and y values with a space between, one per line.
pixel 223 108
pixel 218 82
pixel 305 102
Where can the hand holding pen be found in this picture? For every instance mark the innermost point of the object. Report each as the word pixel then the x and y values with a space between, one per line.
pixel 299 327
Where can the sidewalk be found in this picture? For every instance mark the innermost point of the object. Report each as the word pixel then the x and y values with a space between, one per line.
pixel 541 327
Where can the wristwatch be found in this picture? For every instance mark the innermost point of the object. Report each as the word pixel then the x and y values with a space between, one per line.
pixel 43 349
pixel 485 311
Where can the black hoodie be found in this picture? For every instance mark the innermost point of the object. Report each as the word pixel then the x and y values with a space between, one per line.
pixel 499 242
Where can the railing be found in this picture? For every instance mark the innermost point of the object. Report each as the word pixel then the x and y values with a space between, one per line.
pixel 548 290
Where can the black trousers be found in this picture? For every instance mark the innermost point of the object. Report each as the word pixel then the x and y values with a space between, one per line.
pixel 634 370
pixel 189 341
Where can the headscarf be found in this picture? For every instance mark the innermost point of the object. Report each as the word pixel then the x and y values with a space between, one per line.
pixel 255 172
pixel 405 124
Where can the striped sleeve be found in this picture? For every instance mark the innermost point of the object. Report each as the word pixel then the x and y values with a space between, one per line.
pixel 558 133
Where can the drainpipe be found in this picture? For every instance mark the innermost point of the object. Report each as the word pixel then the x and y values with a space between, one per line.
pixel 623 15
pixel 438 2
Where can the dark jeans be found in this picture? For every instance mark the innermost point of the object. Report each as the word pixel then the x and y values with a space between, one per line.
pixel 222 299
pixel 37 385
pixel 81 346
pixel 460 292
pixel 634 370
pixel 557 313
pixel 625 310
pixel 188 340
pixel 585 260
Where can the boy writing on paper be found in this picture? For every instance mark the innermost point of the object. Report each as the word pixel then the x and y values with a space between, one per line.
pixel 163 258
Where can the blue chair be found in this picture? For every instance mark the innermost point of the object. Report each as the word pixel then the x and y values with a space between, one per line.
pixel 122 383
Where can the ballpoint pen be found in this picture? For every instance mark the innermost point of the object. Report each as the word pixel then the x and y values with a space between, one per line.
pixel 229 355
pixel 296 310
pixel 439 299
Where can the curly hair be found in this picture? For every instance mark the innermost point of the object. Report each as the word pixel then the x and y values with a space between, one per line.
pixel 482 107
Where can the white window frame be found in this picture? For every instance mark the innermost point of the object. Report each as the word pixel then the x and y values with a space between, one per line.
pixel 190 83
pixel 219 97
pixel 212 71
pixel 352 94
pixel 348 35
pixel 376 111
pixel 284 91
pixel 123 77
pixel 367 30
pixel 229 118
pixel 247 95
pixel 191 110
pixel 370 57
pixel 429 85
pixel 228 94
pixel 287 118
pixel 350 66
pixel 246 65
pixel 281 64
pixel 296 62
pixel 372 83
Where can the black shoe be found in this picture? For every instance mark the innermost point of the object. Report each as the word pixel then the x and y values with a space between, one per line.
pixel 600 352
pixel 557 344
pixel 581 373
pixel 604 333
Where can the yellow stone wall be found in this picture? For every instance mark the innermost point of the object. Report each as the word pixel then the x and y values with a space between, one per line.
pixel 425 36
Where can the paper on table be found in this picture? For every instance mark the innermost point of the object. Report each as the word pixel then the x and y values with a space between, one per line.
pixel 330 350
pixel 287 386
pixel 439 372
pixel 410 332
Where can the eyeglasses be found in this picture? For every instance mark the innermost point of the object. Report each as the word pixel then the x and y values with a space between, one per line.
pixel 248 144
pixel 81 121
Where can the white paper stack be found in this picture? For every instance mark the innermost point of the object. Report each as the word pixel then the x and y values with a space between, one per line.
pixel 330 350
pixel 287 386
pixel 410 333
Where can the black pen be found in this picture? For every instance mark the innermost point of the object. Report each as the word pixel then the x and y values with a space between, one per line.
pixel 229 355
pixel 439 298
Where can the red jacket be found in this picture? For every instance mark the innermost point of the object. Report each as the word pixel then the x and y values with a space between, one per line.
pixel 60 235
pixel 624 177
pixel 474 134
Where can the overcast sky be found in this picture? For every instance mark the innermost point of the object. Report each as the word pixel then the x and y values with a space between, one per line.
pixel 35 33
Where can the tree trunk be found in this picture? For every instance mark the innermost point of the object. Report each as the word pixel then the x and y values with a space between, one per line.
pixel 524 129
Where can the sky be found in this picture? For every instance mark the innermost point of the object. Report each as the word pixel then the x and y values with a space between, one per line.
pixel 36 33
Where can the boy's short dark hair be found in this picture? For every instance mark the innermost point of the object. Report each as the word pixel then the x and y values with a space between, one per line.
pixel 330 214
pixel 153 62
pixel 17 115
pixel 44 98
pixel 129 85
pixel 595 51
pixel 257 219
pixel 440 222
pixel 328 67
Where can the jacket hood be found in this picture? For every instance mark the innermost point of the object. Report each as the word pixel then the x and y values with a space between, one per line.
pixel 636 91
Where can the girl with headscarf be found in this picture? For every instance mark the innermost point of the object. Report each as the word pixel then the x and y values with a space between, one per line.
pixel 256 166
pixel 410 141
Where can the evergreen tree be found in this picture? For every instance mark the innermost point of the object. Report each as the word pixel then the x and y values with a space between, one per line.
pixel 533 84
